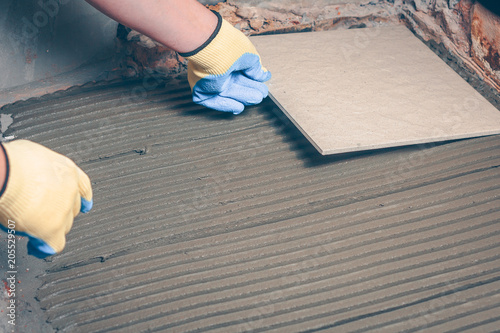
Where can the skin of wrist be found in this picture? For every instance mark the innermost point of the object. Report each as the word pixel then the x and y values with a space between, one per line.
pixel 182 25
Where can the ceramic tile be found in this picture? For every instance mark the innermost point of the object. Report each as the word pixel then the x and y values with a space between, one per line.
pixel 361 89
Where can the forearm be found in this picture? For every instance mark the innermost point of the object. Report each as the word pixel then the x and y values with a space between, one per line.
pixel 182 25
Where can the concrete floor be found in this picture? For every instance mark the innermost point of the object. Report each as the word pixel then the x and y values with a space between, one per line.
pixel 205 221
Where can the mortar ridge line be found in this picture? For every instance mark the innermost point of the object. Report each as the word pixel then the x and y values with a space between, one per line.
pixel 411 220
pixel 441 321
pixel 360 222
pixel 426 299
pixel 475 325
pixel 324 302
pixel 328 201
pixel 283 189
pixel 408 268
pixel 406 245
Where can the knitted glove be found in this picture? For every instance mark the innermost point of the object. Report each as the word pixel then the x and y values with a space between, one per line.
pixel 43 192
pixel 225 73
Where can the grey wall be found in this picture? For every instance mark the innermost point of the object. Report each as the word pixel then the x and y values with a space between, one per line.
pixel 43 38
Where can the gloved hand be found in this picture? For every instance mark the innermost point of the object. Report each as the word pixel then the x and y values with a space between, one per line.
pixel 225 73
pixel 42 194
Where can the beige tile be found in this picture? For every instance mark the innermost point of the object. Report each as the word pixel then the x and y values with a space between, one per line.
pixel 361 89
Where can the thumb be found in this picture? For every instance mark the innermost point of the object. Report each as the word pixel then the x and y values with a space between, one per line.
pixel 85 189
pixel 39 248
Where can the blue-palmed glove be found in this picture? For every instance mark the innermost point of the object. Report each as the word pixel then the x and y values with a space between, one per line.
pixel 226 73
pixel 42 194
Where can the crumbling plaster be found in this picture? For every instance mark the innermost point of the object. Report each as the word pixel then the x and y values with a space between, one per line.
pixel 465 28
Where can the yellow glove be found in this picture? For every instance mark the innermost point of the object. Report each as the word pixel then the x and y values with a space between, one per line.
pixel 225 73
pixel 43 192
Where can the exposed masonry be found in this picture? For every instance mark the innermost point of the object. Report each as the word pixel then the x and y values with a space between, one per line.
pixel 207 221
pixel 465 28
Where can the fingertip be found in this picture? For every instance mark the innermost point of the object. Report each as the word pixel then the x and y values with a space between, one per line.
pixel 86 205
pixel 264 90
pixel 246 91
pixel 267 76
pixel 39 249
pixel 84 185
pixel 223 104
pixel 237 112
pixel 239 109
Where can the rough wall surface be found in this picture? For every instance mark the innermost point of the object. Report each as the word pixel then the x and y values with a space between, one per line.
pixel 485 38
pixel 466 29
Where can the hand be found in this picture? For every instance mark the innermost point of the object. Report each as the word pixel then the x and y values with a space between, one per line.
pixel 43 192
pixel 225 73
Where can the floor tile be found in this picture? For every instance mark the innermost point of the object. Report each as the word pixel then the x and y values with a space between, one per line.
pixel 362 89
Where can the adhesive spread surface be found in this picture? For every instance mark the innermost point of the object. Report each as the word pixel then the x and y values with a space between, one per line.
pixel 208 222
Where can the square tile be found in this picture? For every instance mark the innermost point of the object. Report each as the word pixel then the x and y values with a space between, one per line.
pixel 362 89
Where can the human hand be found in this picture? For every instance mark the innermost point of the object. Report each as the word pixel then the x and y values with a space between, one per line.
pixel 43 192
pixel 225 73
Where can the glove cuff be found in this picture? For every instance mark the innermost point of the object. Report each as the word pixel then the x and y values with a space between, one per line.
pixel 216 56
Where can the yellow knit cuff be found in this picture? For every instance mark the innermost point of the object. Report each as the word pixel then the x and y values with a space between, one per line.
pixel 224 50
pixel 216 56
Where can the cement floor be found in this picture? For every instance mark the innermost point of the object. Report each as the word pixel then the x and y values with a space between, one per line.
pixel 205 221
